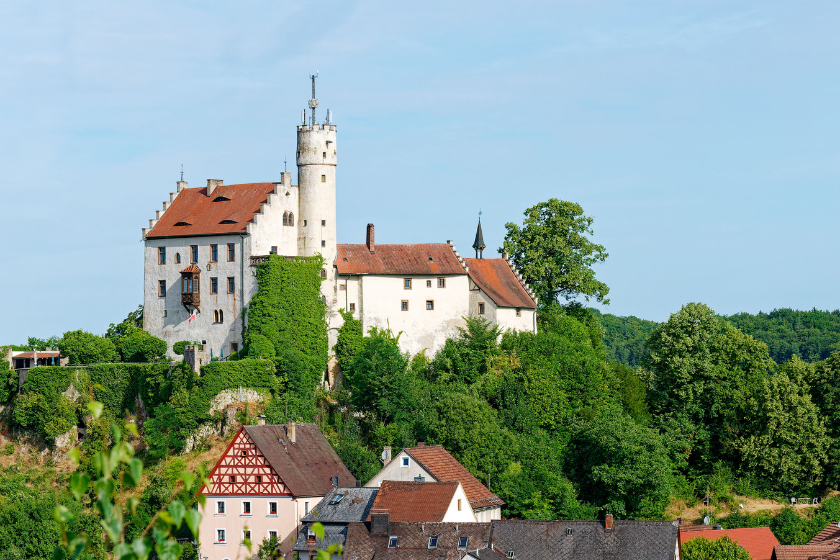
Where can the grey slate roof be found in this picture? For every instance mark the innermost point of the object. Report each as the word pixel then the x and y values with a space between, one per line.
pixel 355 506
pixel 413 541
pixel 548 540
pixel 333 534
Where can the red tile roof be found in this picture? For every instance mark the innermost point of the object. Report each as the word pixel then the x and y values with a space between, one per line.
pixel 445 468
pixel 204 216
pixel 757 541
pixel 424 258
pixel 806 552
pixel 498 281
pixel 414 501
pixel 829 534
pixel 192 268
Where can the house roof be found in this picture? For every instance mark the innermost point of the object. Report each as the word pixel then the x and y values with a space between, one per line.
pixel 445 468
pixel 806 552
pixel 308 465
pixel 497 280
pixel 424 258
pixel 334 533
pixel 203 215
pixel 354 505
pixel 587 540
pixel 413 541
pixel 192 269
pixel 828 534
pixel 414 501
pixel 758 541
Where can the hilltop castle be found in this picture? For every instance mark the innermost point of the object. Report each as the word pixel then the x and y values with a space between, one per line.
pixel 202 247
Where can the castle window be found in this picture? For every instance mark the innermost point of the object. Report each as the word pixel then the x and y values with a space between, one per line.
pixel 323 222
pixel 404 305
pixel 214 285
pixel 352 307
pixel 285 218
pixel 430 305
pixel 428 283
pixel 161 255
pixel 342 286
pixel 221 316
pixel 231 252
pixel 193 254
pixel 234 347
pixel 323 243
pixel 323 273
pixel 481 309
pixel 292 219
pixel 304 223
pixel 406 283
pixel 273 250
pixel 214 253
pixel 218 316
pixel 161 288
pixel 459 504
pixel 323 178
pixel 231 284
pixel 324 299
pixel 441 282
pixel 177 258
pixel 325 157
pixel 518 312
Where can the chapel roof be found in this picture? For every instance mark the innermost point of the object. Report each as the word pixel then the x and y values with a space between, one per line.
pixel 414 501
pixel 758 541
pixel 423 259
pixel 497 280
pixel 227 210
pixel 445 468
pixel 306 466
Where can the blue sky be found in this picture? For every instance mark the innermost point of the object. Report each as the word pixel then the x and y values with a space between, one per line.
pixel 702 137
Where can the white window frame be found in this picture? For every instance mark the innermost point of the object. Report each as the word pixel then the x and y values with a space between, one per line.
pixel 466 545
pixel 269 531
pixel 242 508
pixel 437 539
pixel 405 462
pixel 305 508
pixel 395 539
pixel 242 535
pixel 268 508
pixel 216 510
pixel 216 535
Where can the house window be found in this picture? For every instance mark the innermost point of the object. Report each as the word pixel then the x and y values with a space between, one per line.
pixel 352 307
pixel 218 316
pixel 462 543
pixel 459 504
pixel 231 285
pixel 310 535
pixel 246 535
pixel 272 535
pixel 336 499
pixel 392 542
pixel 193 254
pixel 246 508
pixel 285 218
pixel 406 283
pixel 441 282
pixel 430 305
pixel 481 309
pixel 342 287
pixel 244 453
pixel 234 347
pixel 177 258
pixel 272 508
pixel 220 507
pixel 259 479
pixel 419 479
pixel 231 252
pixel 220 536
pixel 428 283
pixel 518 312
pixel 305 508
pixel 292 219
pixel 433 542
pixel 324 177
pixel 214 285
pixel 232 479
pixel 404 305
pixel 510 554
pixel 304 223
pixel 214 253
pixel 323 222
pixel 273 250
pixel 323 273
pixel 161 255
pixel 405 462
pixel 323 243
pixel 161 288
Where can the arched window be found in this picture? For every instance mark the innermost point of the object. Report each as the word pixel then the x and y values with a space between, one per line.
pixel 177 258
pixel 285 218
pixel 221 316
pixel 291 219
pixel 323 273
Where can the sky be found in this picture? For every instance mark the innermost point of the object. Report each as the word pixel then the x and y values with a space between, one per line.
pixel 701 137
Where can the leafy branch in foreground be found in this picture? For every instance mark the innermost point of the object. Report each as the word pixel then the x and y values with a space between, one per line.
pixel 118 469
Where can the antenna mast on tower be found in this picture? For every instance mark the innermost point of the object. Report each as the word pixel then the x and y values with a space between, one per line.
pixel 313 102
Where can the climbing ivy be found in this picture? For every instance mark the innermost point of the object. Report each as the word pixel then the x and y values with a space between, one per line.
pixel 350 340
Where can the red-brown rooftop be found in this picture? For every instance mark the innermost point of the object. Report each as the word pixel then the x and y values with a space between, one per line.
pixel 445 468
pixel 423 258
pixel 414 501
pixel 498 281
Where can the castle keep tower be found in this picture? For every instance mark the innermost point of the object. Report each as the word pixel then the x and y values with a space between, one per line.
pixel 316 161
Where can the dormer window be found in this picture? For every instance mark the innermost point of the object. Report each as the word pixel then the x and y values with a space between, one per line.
pixel 433 542
pixel 221 198
pixel 179 224
pixel 462 543
pixel 336 499
pixel 226 222
pixel 392 542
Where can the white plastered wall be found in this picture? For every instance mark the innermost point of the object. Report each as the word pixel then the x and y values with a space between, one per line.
pixel 267 229
pixel 465 513
pixel 395 471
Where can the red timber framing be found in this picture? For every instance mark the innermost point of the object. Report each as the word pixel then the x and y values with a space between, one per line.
pixel 244 461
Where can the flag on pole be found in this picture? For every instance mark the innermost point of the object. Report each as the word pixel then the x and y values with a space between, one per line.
pixel 191 317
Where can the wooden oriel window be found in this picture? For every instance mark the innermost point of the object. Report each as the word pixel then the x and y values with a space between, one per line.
pixel 231 252
pixel 193 254
pixel 161 255
pixel 190 286
pixel 214 253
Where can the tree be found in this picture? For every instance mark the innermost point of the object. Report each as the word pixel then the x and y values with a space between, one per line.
pixel 85 348
pixel 133 320
pixel 553 252
pixel 350 340
pixel 136 345
pixel 825 392
pixel 723 548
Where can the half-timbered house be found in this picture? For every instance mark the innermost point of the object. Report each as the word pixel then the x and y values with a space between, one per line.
pixel 267 479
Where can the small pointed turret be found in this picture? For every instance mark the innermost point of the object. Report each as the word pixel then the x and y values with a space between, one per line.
pixel 479 245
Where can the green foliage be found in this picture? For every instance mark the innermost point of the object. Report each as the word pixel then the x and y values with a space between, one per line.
pixel 723 548
pixel 625 337
pixel 620 466
pixel 86 348
pixel 792 528
pixel 553 252
pixel 812 335
pixel 260 347
pixel 34 343
pixel 134 320
pixel 631 390
pixel 467 357
pixel 178 347
pixel 136 345
pixel 8 380
pixel 269 549
pixel 350 340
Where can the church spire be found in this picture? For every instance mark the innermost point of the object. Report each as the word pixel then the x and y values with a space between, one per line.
pixel 479 245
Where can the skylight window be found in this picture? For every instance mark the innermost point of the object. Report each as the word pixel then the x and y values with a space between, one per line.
pixel 182 224
pixel 433 542
pixel 221 199
pixel 392 542
pixel 462 543
pixel 336 499
pixel 227 222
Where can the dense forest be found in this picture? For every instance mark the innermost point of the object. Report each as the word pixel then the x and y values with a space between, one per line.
pixel 811 335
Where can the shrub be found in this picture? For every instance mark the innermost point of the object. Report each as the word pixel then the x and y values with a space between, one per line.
pixel 85 348
pixel 260 347
pixel 139 346
pixel 723 548
pixel 178 347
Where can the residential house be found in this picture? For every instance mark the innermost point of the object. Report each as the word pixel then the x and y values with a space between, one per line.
pixel 432 463
pixel 824 546
pixel 268 478
pixel 340 507
pixel 757 541
pixel 423 501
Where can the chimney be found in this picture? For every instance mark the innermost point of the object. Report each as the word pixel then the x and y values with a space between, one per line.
pixel 608 523
pixel 421 444
pixel 261 420
pixel 386 455
pixel 212 184
pixel 371 247
pixel 379 525
pixel 679 520
pixel 291 431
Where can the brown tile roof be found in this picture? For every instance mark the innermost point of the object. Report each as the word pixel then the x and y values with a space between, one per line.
pixel 192 268
pixel 758 541
pixel 308 465
pixel 807 552
pixel 829 534
pixel 424 258
pixel 204 216
pixel 445 468
pixel 498 281
pixel 414 501
pixel 413 541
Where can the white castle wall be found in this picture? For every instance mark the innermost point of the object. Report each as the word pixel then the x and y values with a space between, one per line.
pixel 267 229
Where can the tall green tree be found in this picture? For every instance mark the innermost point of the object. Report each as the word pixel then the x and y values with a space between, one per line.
pixel 85 348
pixel 825 392
pixel 553 251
